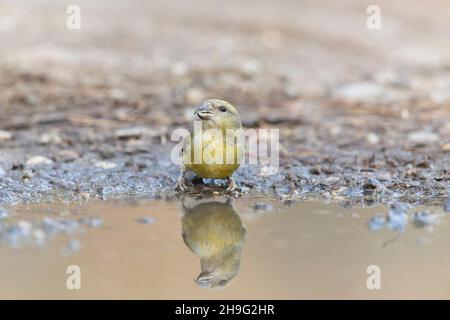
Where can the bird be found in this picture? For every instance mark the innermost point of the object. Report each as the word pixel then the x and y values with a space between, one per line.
pixel 214 232
pixel 211 145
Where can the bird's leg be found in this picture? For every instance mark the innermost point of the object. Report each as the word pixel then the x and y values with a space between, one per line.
pixel 181 182
pixel 231 184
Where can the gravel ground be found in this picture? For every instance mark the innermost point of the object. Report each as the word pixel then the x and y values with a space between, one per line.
pixel 363 114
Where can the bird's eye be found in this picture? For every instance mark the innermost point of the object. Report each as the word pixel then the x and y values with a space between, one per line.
pixel 223 109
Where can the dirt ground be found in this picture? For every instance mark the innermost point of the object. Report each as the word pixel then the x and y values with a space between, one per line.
pixel 364 114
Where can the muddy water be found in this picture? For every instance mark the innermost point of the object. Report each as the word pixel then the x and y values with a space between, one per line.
pixel 242 249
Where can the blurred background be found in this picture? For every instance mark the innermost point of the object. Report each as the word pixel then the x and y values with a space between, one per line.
pixel 134 60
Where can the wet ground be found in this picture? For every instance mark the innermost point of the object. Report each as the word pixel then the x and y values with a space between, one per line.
pixel 259 249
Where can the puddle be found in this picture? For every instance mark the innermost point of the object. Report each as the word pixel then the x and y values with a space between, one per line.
pixel 243 249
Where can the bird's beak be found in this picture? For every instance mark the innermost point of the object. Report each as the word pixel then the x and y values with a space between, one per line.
pixel 205 111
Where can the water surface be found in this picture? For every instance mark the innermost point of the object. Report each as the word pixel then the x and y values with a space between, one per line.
pixel 218 249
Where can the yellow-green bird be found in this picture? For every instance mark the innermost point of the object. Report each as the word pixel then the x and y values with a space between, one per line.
pixel 211 152
pixel 215 233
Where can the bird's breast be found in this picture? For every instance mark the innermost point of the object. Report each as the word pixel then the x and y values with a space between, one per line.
pixel 212 158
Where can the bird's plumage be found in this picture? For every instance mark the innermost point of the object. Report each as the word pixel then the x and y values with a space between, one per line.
pixel 213 149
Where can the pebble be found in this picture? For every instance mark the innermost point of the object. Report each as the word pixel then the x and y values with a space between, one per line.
pixel 360 91
pixel 5 135
pixel 38 160
pixel 67 155
pixel 446 147
pixel 179 69
pixel 423 137
pixel 372 138
pixel 136 132
pixel 50 138
pixel 252 68
pixel 117 94
pixel 268 170
pixel 146 220
pixel 371 184
pixel 105 165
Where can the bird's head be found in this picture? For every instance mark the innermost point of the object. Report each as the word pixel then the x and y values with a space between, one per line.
pixel 215 113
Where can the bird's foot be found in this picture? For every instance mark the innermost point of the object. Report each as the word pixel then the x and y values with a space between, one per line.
pixel 231 185
pixel 181 184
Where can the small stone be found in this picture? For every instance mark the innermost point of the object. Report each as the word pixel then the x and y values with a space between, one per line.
pixel 67 156
pixel 117 94
pixel 146 220
pixel 106 151
pixel 27 175
pixel 405 114
pixel 179 69
pixel 372 138
pixel 38 160
pixel 105 165
pixel 390 78
pixel 50 138
pixel 268 170
pixel 446 147
pixel 360 91
pixel 423 137
pixel 135 132
pixel 251 68
pixel 2 172
pixel 5 135
pixel 371 184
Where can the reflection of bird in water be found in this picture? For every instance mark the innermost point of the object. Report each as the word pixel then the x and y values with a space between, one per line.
pixel 214 232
